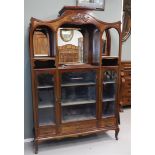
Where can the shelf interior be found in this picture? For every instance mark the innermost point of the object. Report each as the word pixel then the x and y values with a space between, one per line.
pixel 78 112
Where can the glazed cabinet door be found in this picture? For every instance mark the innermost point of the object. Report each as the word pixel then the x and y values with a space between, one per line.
pixel 109 93
pixel 45 93
pixel 78 95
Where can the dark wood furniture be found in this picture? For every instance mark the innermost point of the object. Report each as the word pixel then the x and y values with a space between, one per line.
pixel 125 97
pixel 79 94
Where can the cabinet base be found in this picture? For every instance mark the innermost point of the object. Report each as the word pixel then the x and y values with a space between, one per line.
pixel 37 141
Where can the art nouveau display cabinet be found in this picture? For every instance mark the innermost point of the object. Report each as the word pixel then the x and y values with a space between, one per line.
pixel 75 75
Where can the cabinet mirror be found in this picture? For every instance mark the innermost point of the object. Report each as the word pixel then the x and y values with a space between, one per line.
pixel 70 45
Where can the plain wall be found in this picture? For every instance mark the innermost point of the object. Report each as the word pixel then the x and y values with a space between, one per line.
pixel 48 9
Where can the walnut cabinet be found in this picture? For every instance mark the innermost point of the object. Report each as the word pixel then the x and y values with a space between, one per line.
pixel 75 75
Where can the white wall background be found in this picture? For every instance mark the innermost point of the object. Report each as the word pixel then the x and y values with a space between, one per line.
pixel 48 9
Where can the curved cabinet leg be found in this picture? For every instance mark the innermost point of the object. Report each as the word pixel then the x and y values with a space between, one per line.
pixel 116 133
pixel 35 147
pixel 118 119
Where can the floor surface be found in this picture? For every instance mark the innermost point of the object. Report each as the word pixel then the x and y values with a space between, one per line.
pixel 102 144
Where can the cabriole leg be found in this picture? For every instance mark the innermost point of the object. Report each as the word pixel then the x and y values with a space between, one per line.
pixel 35 147
pixel 116 133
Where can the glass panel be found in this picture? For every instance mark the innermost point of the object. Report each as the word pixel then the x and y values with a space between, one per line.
pixel 46 98
pixel 109 108
pixel 78 95
pixel 109 76
pixel 46 116
pixel 45 79
pixel 109 93
pixel 78 112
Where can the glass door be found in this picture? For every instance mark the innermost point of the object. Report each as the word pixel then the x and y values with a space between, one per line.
pixel 46 99
pixel 109 93
pixel 78 95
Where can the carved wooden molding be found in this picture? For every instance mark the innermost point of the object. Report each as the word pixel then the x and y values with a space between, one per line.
pixel 81 17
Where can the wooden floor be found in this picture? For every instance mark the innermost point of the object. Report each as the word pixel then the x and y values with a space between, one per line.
pixel 104 144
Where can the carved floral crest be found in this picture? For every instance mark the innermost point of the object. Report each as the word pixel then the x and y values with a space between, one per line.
pixel 80 16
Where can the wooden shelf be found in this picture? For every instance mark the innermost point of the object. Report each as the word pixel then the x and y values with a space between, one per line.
pixel 108 100
pixel 44 58
pixel 109 57
pixel 108 115
pixel 44 69
pixel 78 84
pixel 46 105
pixel 71 103
pixel 45 87
pixel 78 66
pixel 109 82
pixel 48 122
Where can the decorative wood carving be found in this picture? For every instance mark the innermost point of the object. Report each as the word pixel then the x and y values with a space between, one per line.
pixel 80 17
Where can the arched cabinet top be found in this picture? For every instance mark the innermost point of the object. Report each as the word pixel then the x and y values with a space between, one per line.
pixel 75 16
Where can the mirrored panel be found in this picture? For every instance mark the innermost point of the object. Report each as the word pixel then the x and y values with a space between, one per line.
pixel 43 42
pixel 109 93
pixel 110 44
pixel 114 42
pixel 96 46
pixel 104 42
pixel 70 46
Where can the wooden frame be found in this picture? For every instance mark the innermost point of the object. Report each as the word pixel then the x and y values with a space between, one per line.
pixel 74 16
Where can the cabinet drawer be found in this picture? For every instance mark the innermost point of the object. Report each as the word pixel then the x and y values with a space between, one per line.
pixel 107 122
pixel 46 131
pixel 78 127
